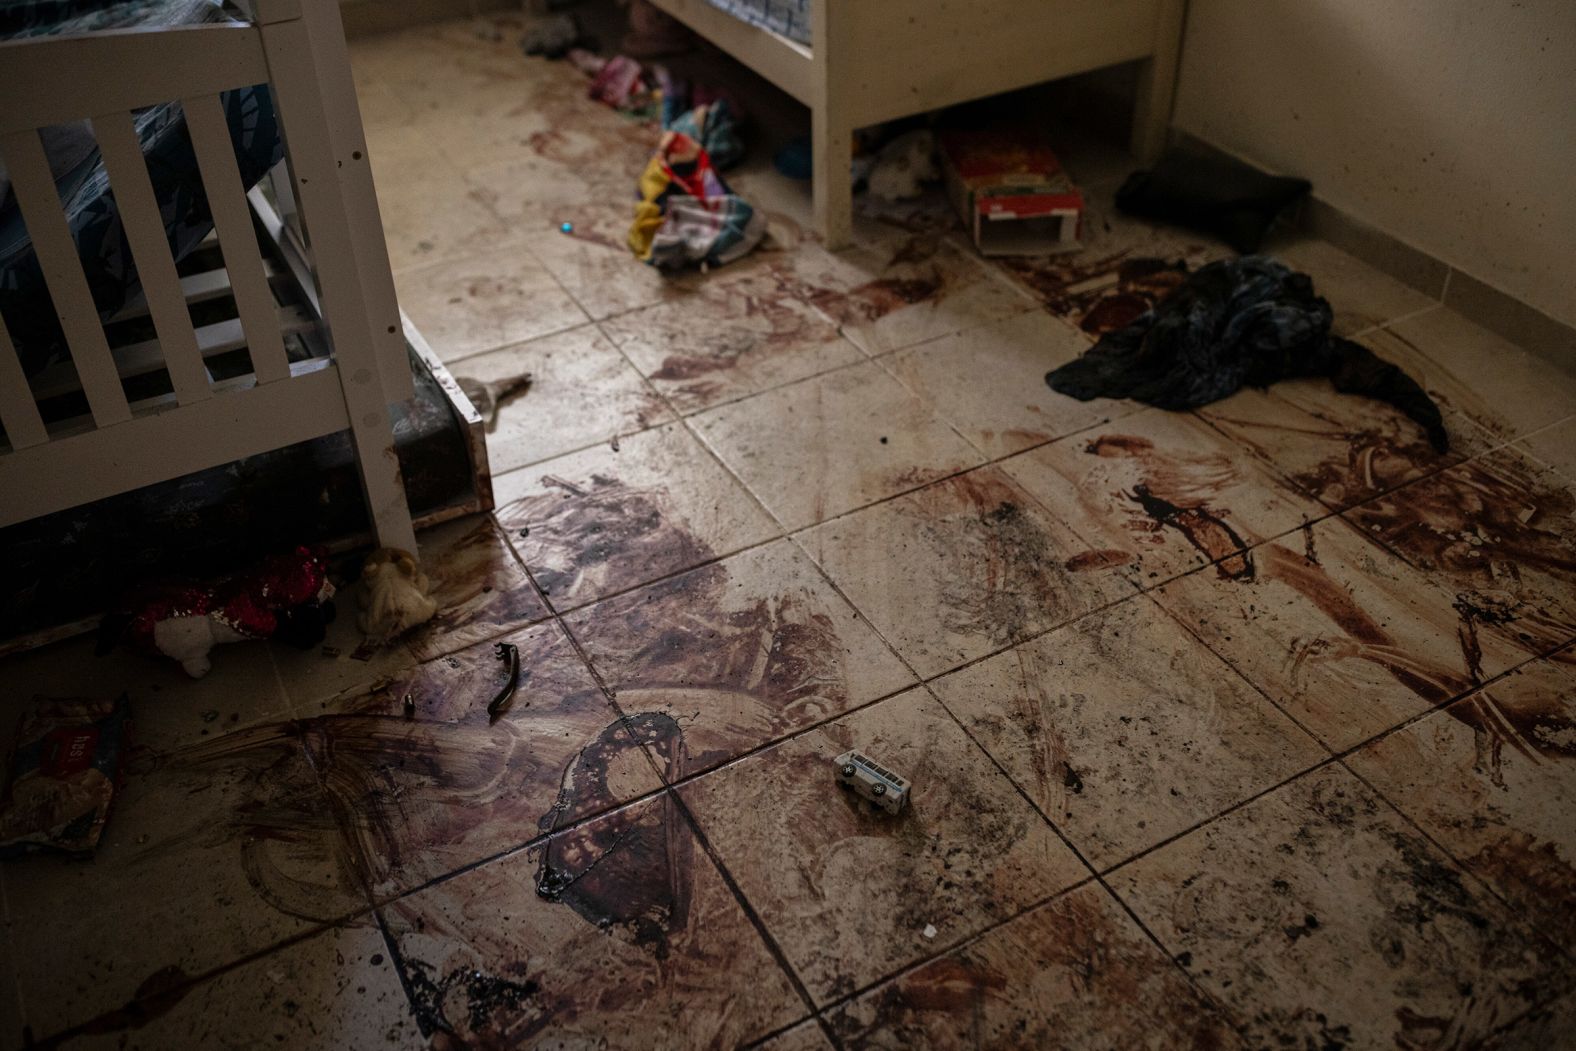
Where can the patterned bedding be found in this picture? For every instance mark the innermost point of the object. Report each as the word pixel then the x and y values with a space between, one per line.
pixel 791 18
pixel 83 183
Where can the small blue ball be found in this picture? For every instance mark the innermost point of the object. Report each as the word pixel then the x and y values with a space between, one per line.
pixel 567 228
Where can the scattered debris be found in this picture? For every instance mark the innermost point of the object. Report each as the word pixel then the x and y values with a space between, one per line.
pixel 1249 321
pixel 930 930
pixel 552 37
pixel 621 82
pixel 394 595
pixel 613 442
pixel 904 165
pixel 687 214
pixel 64 769
pixel 509 653
pixel 410 706
pixel 1011 191
pixel 286 597
pixel 880 786
pixel 1216 195
pixel 488 396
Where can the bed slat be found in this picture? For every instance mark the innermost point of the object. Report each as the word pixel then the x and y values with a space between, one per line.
pixel 18 411
pixel 150 250
pixel 68 286
pixel 242 258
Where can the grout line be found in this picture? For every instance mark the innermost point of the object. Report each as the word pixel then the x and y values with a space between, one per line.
pixel 754 918
pixel 1515 910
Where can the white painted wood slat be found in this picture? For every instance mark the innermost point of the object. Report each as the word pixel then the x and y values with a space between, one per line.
pixel 68 286
pixel 150 250
pixel 242 257
pixel 56 79
pixel 18 410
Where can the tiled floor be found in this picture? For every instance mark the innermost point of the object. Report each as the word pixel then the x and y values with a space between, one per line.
pixel 1254 727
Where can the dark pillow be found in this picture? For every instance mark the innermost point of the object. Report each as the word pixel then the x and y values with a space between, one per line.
pixel 1214 195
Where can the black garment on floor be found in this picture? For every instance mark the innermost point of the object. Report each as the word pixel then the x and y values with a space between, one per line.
pixel 1216 195
pixel 1240 321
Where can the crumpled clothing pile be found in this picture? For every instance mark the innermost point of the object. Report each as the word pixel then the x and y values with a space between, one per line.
pixel 1249 321
pixel 686 214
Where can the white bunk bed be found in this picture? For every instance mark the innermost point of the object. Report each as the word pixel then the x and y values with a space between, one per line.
pixel 870 61
pixel 320 213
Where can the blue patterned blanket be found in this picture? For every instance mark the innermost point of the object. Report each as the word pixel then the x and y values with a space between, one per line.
pixel 791 18
pixel 84 185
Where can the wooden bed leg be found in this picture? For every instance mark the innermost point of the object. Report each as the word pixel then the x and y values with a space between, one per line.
pixel 831 132
pixel 1157 81
pixel 831 146
pixel 372 436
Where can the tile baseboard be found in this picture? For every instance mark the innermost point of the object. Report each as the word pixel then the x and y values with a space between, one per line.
pixel 1477 301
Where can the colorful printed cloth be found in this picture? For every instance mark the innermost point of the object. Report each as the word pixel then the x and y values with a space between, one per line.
pixel 686 214
pixel 83 182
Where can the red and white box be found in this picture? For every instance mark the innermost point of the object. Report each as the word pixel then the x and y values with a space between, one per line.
pixel 1011 191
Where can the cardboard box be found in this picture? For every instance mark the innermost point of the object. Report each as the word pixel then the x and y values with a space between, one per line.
pixel 1011 191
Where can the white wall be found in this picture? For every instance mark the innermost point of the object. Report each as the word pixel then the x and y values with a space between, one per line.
pixel 1449 124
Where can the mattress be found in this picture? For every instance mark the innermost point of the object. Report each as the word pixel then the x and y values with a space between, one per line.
pixel 84 186
pixel 790 18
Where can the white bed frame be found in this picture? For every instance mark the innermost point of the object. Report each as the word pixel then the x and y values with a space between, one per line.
pixel 326 231
pixel 878 60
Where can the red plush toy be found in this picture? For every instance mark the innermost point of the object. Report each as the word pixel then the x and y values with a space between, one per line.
pixel 285 596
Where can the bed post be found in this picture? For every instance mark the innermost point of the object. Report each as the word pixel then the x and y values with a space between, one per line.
pixel 831 134
pixel 1157 80
pixel 328 162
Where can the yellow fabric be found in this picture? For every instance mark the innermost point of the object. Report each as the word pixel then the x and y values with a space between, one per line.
pixel 648 213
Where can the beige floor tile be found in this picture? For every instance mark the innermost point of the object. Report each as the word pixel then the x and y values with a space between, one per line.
pixel 431 218
pixel 1338 448
pixel 1502 388
pixel 214 850
pixel 479 585
pixel 479 303
pixel 582 393
pixel 961 568
pixel 1555 446
pixel 1075 973
pixel 989 383
pixel 1124 730
pixel 730 339
pixel 1344 636
pixel 1492 780
pixel 806 1036
pixel 170 708
pixel 619 933
pixel 920 288
pixel 816 449
pixel 595 264
pixel 1318 916
pixel 424 795
pixel 481 591
pixel 335 990
pixel 1542 1027
pixel 1361 296
pixel 728 657
pixel 597 522
pixel 1499 532
pixel 1124 267
pixel 848 891
pixel 14 1029
pixel 1164 489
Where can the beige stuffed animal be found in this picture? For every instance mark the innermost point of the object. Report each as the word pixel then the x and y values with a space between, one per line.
pixel 394 595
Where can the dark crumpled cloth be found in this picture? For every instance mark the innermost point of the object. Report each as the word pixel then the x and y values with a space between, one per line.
pixel 1249 321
